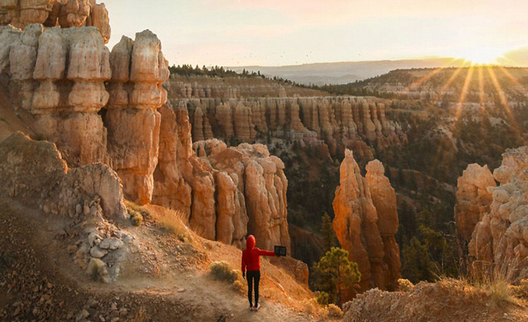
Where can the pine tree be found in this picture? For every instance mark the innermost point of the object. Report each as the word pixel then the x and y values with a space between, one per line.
pixel 328 233
pixel 336 273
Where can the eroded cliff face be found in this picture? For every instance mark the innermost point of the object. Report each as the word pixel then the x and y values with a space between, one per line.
pixel 330 123
pixel 366 221
pixel 103 107
pixel 51 13
pixel 500 237
pixel 138 70
pixel 58 75
pixel 225 193
pixel 473 203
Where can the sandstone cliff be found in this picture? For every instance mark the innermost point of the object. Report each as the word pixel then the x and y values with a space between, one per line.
pixel 83 203
pixel 366 221
pixel 473 203
pixel 59 76
pixel 225 193
pixel 499 239
pixel 334 123
pixel 99 106
pixel 51 13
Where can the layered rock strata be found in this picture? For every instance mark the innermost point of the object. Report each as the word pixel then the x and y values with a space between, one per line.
pixel 58 76
pixel 473 203
pixel 499 240
pixel 366 221
pixel 225 193
pixel 51 13
pixel 334 122
pixel 138 69
pixel 197 87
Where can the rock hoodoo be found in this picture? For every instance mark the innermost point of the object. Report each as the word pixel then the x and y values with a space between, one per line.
pixel 499 238
pixel 138 69
pixel 473 203
pixel 51 13
pixel 102 107
pixel 334 122
pixel 225 193
pixel 58 76
pixel 366 221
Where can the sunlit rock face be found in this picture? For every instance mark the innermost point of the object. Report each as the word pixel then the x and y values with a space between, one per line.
pixel 51 13
pixel 58 76
pixel 224 193
pixel 500 237
pixel 473 203
pixel 366 221
pixel 66 78
pixel 138 70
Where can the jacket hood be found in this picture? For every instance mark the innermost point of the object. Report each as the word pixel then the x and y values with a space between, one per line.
pixel 250 242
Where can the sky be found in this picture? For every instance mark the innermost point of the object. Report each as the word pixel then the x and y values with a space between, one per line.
pixel 293 32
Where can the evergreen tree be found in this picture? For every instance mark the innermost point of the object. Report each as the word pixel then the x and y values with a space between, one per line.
pixel 336 274
pixel 328 233
pixel 417 263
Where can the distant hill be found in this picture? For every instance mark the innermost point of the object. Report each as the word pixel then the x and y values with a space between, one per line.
pixel 346 72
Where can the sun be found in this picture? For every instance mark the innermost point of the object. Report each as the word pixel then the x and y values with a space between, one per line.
pixel 482 55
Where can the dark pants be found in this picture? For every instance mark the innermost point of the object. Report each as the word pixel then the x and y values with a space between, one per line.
pixel 253 277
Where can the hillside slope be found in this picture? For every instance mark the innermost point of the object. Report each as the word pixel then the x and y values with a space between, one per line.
pixel 166 278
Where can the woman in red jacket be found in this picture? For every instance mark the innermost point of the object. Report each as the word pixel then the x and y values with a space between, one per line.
pixel 251 260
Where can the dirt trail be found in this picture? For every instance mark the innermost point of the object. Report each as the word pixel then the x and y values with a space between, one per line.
pixel 31 259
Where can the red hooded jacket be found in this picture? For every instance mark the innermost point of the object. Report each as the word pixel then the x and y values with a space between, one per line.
pixel 251 255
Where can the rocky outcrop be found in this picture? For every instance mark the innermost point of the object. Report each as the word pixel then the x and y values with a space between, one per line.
pixel 365 231
pixel 473 203
pixel 51 13
pixel 58 76
pixel 225 193
pixel 384 200
pixel 499 239
pixel 333 123
pixel 252 188
pixel 138 69
pixel 88 200
pixel 444 301
pixel 29 165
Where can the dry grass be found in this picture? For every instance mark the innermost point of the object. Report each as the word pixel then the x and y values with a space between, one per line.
pixel 495 282
pixel 173 221
pixel 311 306
pixel 334 311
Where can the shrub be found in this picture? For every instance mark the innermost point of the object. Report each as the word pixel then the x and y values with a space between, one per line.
pixel 323 298
pixel 404 285
pixel 239 286
pixel 311 306
pixel 136 218
pixel 334 311
pixel 133 207
pixel 221 270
